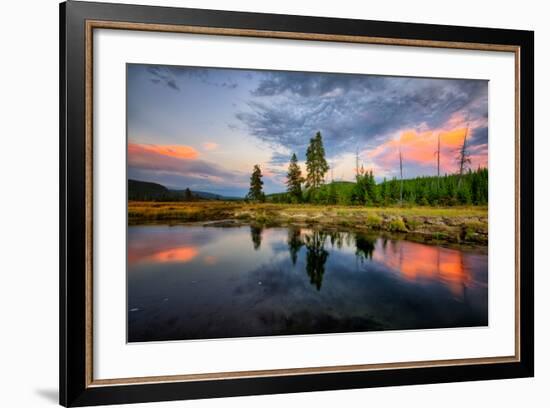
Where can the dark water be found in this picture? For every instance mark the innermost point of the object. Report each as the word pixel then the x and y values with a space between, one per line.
pixel 187 282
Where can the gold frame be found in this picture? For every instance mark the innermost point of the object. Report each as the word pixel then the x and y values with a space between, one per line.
pixel 99 24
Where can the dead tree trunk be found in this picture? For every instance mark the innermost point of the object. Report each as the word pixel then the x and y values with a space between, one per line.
pixel 401 174
pixel 356 163
pixel 463 158
pixel 438 157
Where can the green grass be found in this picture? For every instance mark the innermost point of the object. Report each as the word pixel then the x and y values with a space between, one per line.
pixel 220 209
pixel 451 224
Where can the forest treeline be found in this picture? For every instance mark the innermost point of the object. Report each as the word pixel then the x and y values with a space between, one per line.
pixel 466 187
pixel 448 190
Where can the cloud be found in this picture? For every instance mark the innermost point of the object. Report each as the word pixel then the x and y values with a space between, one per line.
pixel 169 76
pixel 279 159
pixel 177 151
pixel 308 84
pixel 179 168
pixel 163 75
pixel 287 108
pixel 419 147
pixel 210 146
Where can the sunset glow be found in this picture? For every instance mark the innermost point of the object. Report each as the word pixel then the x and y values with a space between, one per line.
pixel 417 262
pixel 180 254
pixel 177 151
pixel 205 128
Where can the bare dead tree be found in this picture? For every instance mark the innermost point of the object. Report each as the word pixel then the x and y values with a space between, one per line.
pixel 438 153
pixel 463 157
pixel 357 162
pixel 401 173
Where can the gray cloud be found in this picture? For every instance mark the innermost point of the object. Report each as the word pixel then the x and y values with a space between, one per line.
pixel 170 75
pixel 287 108
pixel 279 158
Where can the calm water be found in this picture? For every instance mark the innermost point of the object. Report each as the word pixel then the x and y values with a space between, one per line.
pixel 187 282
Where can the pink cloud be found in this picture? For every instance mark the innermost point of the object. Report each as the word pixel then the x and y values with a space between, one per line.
pixel 181 162
pixel 420 146
pixel 210 146
pixel 177 151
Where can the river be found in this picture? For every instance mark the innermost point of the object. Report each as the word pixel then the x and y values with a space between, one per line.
pixel 195 282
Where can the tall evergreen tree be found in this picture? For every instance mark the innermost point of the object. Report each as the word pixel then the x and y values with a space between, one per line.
pixel 294 179
pixel 256 184
pixel 316 163
pixel 332 194
pixel 188 195
pixel 372 192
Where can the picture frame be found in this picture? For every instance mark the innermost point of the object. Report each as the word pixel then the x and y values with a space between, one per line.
pixel 79 21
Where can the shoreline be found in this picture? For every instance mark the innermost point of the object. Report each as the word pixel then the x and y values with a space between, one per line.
pixel 436 225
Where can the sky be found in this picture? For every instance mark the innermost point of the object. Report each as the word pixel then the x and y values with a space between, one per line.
pixel 205 128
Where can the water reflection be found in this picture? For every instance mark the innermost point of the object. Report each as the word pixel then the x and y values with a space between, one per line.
pixel 418 263
pixel 364 246
pixel 295 243
pixel 196 282
pixel 256 236
pixel 316 257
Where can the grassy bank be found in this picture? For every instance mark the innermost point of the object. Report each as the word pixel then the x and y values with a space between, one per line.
pixel 456 225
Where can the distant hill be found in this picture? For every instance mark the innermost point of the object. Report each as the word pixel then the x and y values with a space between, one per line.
pixel 343 188
pixel 207 196
pixel 147 191
pixel 144 190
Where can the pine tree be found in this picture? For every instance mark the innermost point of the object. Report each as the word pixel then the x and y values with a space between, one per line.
pixel 188 195
pixel 359 194
pixel 384 192
pixel 332 194
pixel 394 189
pixel 294 179
pixel 255 193
pixel 316 163
pixel 372 192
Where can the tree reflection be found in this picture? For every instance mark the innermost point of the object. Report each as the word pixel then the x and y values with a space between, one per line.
pixel 316 257
pixel 294 242
pixel 256 235
pixel 364 246
pixel 337 239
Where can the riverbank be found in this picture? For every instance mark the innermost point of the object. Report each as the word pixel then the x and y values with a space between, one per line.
pixel 459 225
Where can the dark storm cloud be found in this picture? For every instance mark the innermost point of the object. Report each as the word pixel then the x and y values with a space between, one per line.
pixel 287 108
pixel 479 136
pixel 310 84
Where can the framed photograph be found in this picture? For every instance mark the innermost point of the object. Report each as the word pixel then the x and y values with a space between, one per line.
pixel 256 203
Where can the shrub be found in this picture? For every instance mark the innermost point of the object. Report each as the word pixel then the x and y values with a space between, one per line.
pixel 412 224
pixel 397 225
pixel 374 221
